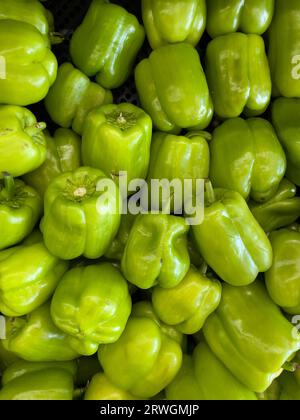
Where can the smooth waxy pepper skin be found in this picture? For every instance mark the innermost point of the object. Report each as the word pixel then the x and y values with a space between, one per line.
pixel 285 117
pixel 73 96
pixel 247 16
pixel 22 142
pixel 63 155
pixel 92 305
pixel 104 26
pixel 101 388
pixel 238 75
pixel 283 278
pixel 156 251
pixel 81 218
pixel 117 138
pixel 253 167
pixel 203 377
pixel 20 209
pixel 171 22
pixel 29 275
pixel 145 359
pixel 157 82
pixel 251 336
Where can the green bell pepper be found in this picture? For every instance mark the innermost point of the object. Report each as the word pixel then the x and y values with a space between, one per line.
pixel 116 249
pixel 251 336
pixel 174 68
pixel 247 16
pixel 35 338
pixel 238 75
pixel 20 209
pixel 101 388
pixel 63 155
pixel 38 381
pixel 204 377
pixel 73 96
pixel 106 43
pixel 29 275
pixel 171 22
pixel 285 117
pixel 283 278
pixel 188 305
pixel 284 49
pixel 156 251
pixel 22 142
pixel 73 305
pixel 80 219
pixel 229 236
pixel 282 210
pixel 253 167
pixel 145 359
pixel 29 67
pixel 117 138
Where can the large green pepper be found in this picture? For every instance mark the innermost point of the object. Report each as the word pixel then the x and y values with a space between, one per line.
pixel 204 377
pixel 73 96
pixel 156 251
pixel 36 338
pixel 174 68
pixel 188 305
pixel 228 239
pixel 238 75
pixel 247 16
pixel 251 336
pixel 80 219
pixel 284 49
pixel 29 275
pixel 145 359
pixel 22 142
pixel 173 21
pixel 106 43
pixel 101 388
pixel 281 210
pixel 253 167
pixel 285 117
pixel 29 67
pixel 92 305
pixel 117 138
pixel 63 155
pixel 283 278
pixel 20 209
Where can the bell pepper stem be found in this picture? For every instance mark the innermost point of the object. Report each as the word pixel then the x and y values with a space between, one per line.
pixel 35 129
pixel 291 367
pixel 203 268
pixel 210 194
pixel 57 38
pixel 9 185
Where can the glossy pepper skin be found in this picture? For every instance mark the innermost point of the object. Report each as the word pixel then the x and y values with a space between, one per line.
pixel 29 275
pixel 228 237
pixel 204 377
pixel 254 166
pixel 116 249
pixel 22 142
pixel 285 117
pixel 283 278
pixel 188 305
pixel 281 210
pixel 157 81
pixel 284 49
pixel 101 388
pixel 35 338
pixel 145 359
pixel 171 22
pixel 38 381
pixel 92 305
pixel 238 75
pixel 20 209
pixel 73 96
pixel 251 336
pixel 79 213
pixel 93 45
pixel 117 138
pixel 29 66
pixel 247 16
pixel 156 252
pixel 63 155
